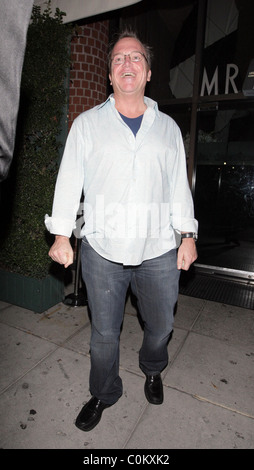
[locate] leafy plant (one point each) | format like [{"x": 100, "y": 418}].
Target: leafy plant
[{"x": 25, "y": 243}]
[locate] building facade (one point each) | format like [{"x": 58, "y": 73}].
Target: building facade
[{"x": 202, "y": 76}]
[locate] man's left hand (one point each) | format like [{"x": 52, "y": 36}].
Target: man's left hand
[{"x": 187, "y": 254}]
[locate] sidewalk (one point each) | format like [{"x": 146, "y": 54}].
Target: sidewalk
[{"x": 208, "y": 384}]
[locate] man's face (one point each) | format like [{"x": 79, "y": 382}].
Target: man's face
[{"x": 129, "y": 77}]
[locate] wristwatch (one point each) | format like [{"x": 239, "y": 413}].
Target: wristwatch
[{"x": 189, "y": 235}]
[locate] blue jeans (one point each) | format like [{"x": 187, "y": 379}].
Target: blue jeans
[{"x": 155, "y": 284}]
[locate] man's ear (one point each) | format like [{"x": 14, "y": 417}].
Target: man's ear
[
  {"x": 110, "y": 79},
  {"x": 149, "y": 76}
]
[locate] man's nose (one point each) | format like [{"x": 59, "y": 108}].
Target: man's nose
[{"x": 127, "y": 56}]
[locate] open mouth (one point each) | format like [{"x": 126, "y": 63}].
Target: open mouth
[{"x": 128, "y": 74}]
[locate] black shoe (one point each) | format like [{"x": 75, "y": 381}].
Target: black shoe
[
  {"x": 90, "y": 414},
  {"x": 154, "y": 389}
]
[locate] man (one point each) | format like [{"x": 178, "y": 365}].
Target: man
[{"x": 129, "y": 160}]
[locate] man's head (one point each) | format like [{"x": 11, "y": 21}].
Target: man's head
[
  {"x": 130, "y": 34},
  {"x": 129, "y": 63}
]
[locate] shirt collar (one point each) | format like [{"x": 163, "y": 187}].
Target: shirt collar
[{"x": 148, "y": 101}]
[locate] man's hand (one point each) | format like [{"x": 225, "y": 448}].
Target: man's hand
[
  {"x": 61, "y": 251},
  {"x": 187, "y": 253}
]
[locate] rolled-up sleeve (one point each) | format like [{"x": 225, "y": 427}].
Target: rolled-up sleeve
[
  {"x": 182, "y": 202},
  {"x": 69, "y": 185}
]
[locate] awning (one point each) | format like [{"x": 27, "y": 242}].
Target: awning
[{"x": 78, "y": 9}]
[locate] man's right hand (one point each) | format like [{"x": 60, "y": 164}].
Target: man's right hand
[{"x": 61, "y": 251}]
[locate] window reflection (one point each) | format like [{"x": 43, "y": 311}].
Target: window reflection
[{"x": 224, "y": 193}]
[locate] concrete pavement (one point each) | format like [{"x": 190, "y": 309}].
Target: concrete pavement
[{"x": 208, "y": 384}]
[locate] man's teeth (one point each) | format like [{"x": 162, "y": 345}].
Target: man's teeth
[{"x": 128, "y": 74}]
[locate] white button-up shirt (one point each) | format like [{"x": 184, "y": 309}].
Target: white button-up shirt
[{"x": 136, "y": 192}]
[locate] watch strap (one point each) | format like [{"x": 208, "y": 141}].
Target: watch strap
[{"x": 189, "y": 235}]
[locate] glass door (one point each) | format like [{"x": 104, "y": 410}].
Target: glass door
[{"x": 224, "y": 188}]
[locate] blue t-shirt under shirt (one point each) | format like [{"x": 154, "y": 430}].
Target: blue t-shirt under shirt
[{"x": 133, "y": 123}]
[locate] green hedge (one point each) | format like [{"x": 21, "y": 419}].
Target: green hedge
[{"x": 26, "y": 243}]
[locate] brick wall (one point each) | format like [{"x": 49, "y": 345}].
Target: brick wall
[{"x": 88, "y": 76}]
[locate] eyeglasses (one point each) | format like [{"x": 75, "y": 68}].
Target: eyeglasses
[{"x": 134, "y": 56}]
